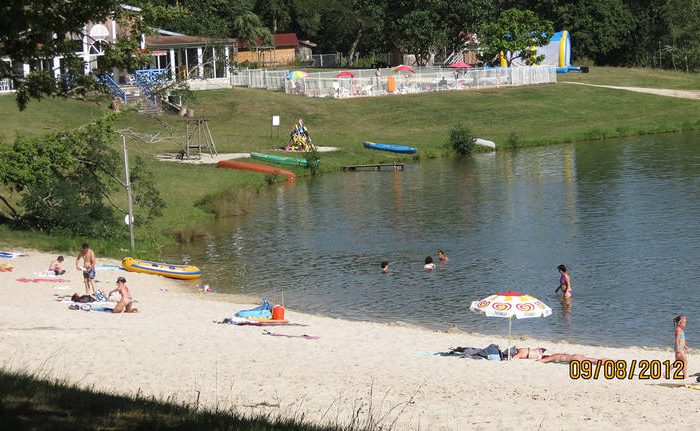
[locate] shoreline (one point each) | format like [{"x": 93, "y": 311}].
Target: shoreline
[{"x": 364, "y": 371}]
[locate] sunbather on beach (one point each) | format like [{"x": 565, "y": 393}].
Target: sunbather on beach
[
  {"x": 529, "y": 353},
  {"x": 126, "y": 303},
  {"x": 566, "y": 358}
]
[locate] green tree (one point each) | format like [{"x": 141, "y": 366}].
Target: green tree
[
  {"x": 514, "y": 34},
  {"x": 65, "y": 181},
  {"x": 597, "y": 28},
  {"x": 350, "y": 26},
  {"x": 416, "y": 27},
  {"x": 32, "y": 31},
  {"x": 277, "y": 13},
  {"x": 307, "y": 17},
  {"x": 463, "y": 17},
  {"x": 248, "y": 27},
  {"x": 682, "y": 40}
]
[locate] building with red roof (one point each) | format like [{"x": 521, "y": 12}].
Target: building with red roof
[{"x": 287, "y": 49}]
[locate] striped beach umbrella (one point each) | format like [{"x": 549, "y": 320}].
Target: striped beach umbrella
[{"x": 511, "y": 304}]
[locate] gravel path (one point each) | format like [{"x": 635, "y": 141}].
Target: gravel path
[{"x": 685, "y": 94}]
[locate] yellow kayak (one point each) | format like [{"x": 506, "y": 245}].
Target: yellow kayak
[{"x": 182, "y": 272}]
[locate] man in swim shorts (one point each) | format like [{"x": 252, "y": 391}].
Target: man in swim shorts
[{"x": 86, "y": 263}]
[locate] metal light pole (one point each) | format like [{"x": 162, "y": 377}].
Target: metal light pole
[{"x": 127, "y": 185}]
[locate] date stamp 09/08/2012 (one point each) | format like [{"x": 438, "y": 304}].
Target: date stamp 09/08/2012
[{"x": 621, "y": 369}]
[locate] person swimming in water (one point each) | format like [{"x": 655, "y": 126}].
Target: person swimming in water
[
  {"x": 385, "y": 266},
  {"x": 679, "y": 346},
  {"x": 564, "y": 282},
  {"x": 429, "y": 265},
  {"x": 442, "y": 256}
]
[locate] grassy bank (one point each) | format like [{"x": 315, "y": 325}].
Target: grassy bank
[
  {"x": 32, "y": 403},
  {"x": 240, "y": 122}
]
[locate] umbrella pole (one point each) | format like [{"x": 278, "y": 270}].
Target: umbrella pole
[{"x": 510, "y": 324}]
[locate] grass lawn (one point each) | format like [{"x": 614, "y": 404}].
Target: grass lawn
[
  {"x": 240, "y": 121},
  {"x": 32, "y": 403}
]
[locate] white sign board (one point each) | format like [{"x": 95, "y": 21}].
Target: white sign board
[
  {"x": 275, "y": 120},
  {"x": 126, "y": 219}
]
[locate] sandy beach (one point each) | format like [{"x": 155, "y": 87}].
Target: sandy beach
[{"x": 383, "y": 373}]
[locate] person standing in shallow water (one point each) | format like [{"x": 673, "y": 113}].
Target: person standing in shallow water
[
  {"x": 564, "y": 282},
  {"x": 679, "y": 346}
]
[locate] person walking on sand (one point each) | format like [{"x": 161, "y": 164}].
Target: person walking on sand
[
  {"x": 126, "y": 302},
  {"x": 86, "y": 263},
  {"x": 564, "y": 282},
  {"x": 679, "y": 346}
]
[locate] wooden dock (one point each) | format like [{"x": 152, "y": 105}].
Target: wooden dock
[{"x": 376, "y": 167}]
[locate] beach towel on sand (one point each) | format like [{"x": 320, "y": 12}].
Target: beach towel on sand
[
  {"x": 264, "y": 311},
  {"x": 6, "y": 267},
  {"x": 245, "y": 322},
  {"x": 89, "y": 307},
  {"x": 10, "y": 254},
  {"x": 108, "y": 267},
  {"x": 38, "y": 280},
  {"x": 490, "y": 352}
]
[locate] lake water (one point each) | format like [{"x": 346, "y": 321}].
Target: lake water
[{"x": 622, "y": 215}]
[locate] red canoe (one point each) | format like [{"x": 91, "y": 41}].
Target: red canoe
[{"x": 228, "y": 164}]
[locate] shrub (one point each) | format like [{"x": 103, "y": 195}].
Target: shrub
[
  {"x": 462, "y": 141},
  {"x": 312, "y": 161}
]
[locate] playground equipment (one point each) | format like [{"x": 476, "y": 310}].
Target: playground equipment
[
  {"x": 556, "y": 53},
  {"x": 299, "y": 139},
  {"x": 197, "y": 138}
]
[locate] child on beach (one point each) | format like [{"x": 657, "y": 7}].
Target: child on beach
[
  {"x": 55, "y": 266},
  {"x": 564, "y": 282},
  {"x": 679, "y": 346},
  {"x": 429, "y": 265}
]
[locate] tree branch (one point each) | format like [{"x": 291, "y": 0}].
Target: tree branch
[{"x": 14, "y": 211}]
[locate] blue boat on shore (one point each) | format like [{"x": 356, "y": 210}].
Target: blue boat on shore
[{"x": 394, "y": 148}]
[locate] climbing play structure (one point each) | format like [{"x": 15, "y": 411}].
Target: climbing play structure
[
  {"x": 299, "y": 139},
  {"x": 198, "y": 139}
]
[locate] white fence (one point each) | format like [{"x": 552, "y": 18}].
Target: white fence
[{"x": 369, "y": 82}]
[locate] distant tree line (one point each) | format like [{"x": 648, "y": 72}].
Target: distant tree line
[{"x": 640, "y": 33}]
